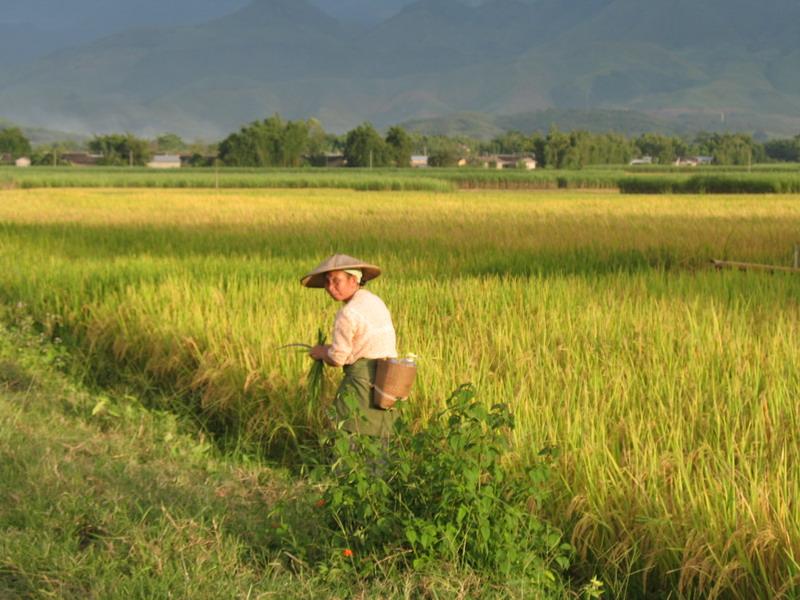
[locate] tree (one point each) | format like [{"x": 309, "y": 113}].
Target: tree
[
  {"x": 444, "y": 151},
  {"x": 14, "y": 142},
  {"x": 319, "y": 142},
  {"x": 268, "y": 143},
  {"x": 399, "y": 146},
  {"x": 48, "y": 158},
  {"x": 293, "y": 144},
  {"x": 662, "y": 148},
  {"x": 557, "y": 147},
  {"x": 256, "y": 145},
  {"x": 364, "y": 147},
  {"x": 539, "y": 146},
  {"x": 730, "y": 148},
  {"x": 444, "y": 156},
  {"x": 511, "y": 142},
  {"x": 787, "y": 150},
  {"x": 120, "y": 149},
  {"x": 170, "y": 142}
]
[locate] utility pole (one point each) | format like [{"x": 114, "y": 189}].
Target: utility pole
[
  {"x": 370, "y": 158},
  {"x": 130, "y": 157}
]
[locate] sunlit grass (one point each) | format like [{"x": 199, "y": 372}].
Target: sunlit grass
[{"x": 669, "y": 388}]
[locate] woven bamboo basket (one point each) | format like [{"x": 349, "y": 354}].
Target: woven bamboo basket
[{"x": 394, "y": 379}]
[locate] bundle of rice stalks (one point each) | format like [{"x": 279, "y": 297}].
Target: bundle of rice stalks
[{"x": 316, "y": 375}]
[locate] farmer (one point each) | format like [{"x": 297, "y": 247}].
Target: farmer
[{"x": 362, "y": 333}]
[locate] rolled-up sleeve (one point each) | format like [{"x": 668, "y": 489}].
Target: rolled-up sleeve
[{"x": 344, "y": 330}]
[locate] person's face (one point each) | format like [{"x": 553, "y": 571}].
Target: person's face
[{"x": 340, "y": 285}]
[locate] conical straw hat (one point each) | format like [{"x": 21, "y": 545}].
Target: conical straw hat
[{"x": 338, "y": 262}]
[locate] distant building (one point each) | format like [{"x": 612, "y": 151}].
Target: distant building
[
  {"x": 642, "y": 160},
  {"x": 487, "y": 162},
  {"x": 165, "y": 161},
  {"x": 507, "y": 161},
  {"x": 6, "y": 159},
  {"x": 23, "y": 161},
  {"x": 80, "y": 159},
  {"x": 526, "y": 162},
  {"x": 693, "y": 161},
  {"x": 419, "y": 161}
]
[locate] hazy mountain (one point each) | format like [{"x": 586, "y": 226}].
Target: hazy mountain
[
  {"x": 627, "y": 122},
  {"x": 85, "y": 20},
  {"x": 727, "y": 62},
  {"x": 364, "y": 12},
  {"x": 34, "y": 28},
  {"x": 107, "y": 16}
]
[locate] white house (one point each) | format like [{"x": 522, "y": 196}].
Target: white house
[
  {"x": 165, "y": 161},
  {"x": 23, "y": 161},
  {"x": 508, "y": 161},
  {"x": 419, "y": 160},
  {"x": 527, "y": 162},
  {"x": 693, "y": 161}
]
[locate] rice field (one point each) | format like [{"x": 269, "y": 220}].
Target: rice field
[{"x": 670, "y": 389}]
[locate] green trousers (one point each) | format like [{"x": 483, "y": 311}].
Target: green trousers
[{"x": 353, "y": 401}]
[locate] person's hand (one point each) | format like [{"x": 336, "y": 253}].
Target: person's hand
[{"x": 319, "y": 352}]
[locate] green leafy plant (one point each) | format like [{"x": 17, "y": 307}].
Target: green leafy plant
[{"x": 443, "y": 494}]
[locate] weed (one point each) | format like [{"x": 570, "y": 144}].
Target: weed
[{"x": 444, "y": 494}]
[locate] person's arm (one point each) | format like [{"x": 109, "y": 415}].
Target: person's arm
[
  {"x": 341, "y": 347},
  {"x": 322, "y": 352}
]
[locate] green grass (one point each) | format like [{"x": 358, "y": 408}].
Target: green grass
[
  {"x": 652, "y": 179},
  {"x": 308, "y": 178},
  {"x": 118, "y": 177},
  {"x": 669, "y": 388},
  {"x": 712, "y": 183},
  {"x": 104, "y": 499}
]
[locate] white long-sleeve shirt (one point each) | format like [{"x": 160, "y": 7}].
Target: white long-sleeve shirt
[{"x": 362, "y": 329}]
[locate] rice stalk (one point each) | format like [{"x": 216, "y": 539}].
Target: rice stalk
[{"x": 316, "y": 375}]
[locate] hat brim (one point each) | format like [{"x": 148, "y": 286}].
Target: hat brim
[{"x": 317, "y": 277}]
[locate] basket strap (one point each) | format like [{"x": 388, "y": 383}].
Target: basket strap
[{"x": 382, "y": 393}]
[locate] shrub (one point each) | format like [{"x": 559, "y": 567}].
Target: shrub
[
  {"x": 443, "y": 494},
  {"x": 649, "y": 185},
  {"x": 727, "y": 183}
]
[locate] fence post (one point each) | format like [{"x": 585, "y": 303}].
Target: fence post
[{"x": 797, "y": 256}]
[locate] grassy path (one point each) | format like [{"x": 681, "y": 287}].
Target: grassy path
[{"x": 102, "y": 498}]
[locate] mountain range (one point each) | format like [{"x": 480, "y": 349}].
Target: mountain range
[{"x": 733, "y": 63}]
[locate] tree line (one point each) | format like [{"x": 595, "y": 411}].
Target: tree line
[{"x": 275, "y": 142}]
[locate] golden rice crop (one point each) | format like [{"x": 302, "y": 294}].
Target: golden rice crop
[{"x": 669, "y": 388}]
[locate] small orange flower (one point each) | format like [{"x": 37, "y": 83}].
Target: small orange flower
[
  {"x": 320, "y": 503},
  {"x": 347, "y": 552}
]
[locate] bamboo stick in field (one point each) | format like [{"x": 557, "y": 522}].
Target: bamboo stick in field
[{"x": 746, "y": 266}]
